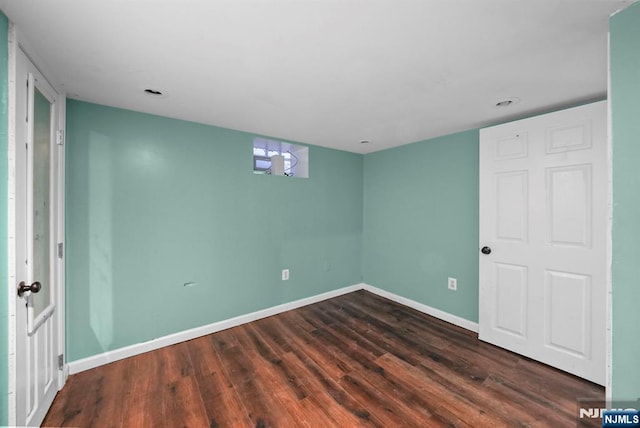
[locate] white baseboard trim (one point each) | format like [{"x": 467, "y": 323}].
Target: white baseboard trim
[
  {"x": 445, "y": 316},
  {"x": 140, "y": 348}
]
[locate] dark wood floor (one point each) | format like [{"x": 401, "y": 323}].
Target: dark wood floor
[{"x": 355, "y": 360}]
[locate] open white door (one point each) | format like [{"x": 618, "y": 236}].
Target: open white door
[
  {"x": 37, "y": 265},
  {"x": 543, "y": 230}
]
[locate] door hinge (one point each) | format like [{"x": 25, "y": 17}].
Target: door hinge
[
  {"x": 60, "y": 361},
  {"x": 60, "y": 250},
  {"x": 26, "y": 118},
  {"x": 60, "y": 137}
]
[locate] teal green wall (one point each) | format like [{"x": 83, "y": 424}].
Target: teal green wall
[
  {"x": 4, "y": 305},
  {"x": 154, "y": 203},
  {"x": 625, "y": 103},
  {"x": 421, "y": 222}
]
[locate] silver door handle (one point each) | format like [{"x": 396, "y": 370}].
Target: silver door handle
[{"x": 23, "y": 288}]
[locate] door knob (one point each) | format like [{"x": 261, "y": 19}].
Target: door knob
[
  {"x": 486, "y": 250},
  {"x": 23, "y": 288}
]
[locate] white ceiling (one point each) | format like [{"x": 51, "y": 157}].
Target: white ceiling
[{"x": 324, "y": 72}]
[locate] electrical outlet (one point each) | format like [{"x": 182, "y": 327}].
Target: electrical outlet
[
  {"x": 285, "y": 274},
  {"x": 452, "y": 284}
]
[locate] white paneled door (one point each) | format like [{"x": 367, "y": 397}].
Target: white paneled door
[
  {"x": 36, "y": 290},
  {"x": 543, "y": 238}
]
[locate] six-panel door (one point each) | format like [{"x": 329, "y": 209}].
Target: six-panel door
[{"x": 543, "y": 207}]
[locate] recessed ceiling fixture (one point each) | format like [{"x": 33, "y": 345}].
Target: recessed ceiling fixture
[
  {"x": 507, "y": 102},
  {"x": 152, "y": 92}
]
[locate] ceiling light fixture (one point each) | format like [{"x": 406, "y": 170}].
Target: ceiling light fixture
[
  {"x": 152, "y": 92},
  {"x": 507, "y": 102}
]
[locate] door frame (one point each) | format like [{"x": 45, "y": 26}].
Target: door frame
[
  {"x": 608, "y": 387},
  {"x": 15, "y": 42}
]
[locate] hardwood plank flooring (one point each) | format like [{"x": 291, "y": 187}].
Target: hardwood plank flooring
[{"x": 355, "y": 360}]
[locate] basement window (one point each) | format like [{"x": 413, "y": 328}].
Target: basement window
[{"x": 272, "y": 157}]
